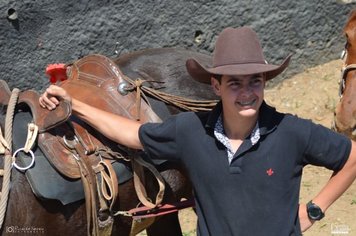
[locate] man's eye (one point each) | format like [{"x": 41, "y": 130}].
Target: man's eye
[
  {"x": 256, "y": 81},
  {"x": 234, "y": 84}
]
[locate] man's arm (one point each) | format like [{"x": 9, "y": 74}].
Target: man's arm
[
  {"x": 119, "y": 129},
  {"x": 339, "y": 182}
]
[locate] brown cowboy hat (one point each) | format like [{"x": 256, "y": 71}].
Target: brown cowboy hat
[{"x": 237, "y": 52}]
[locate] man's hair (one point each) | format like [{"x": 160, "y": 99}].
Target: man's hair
[{"x": 217, "y": 77}]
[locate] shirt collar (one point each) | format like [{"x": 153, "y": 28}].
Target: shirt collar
[
  {"x": 267, "y": 120},
  {"x": 214, "y": 115}
]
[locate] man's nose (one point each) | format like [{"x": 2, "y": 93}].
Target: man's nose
[{"x": 246, "y": 89}]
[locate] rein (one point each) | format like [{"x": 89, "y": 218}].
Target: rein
[{"x": 147, "y": 212}]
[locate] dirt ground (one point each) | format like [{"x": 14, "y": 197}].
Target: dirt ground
[{"x": 312, "y": 94}]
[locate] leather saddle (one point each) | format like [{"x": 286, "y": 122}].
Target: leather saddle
[
  {"x": 95, "y": 80},
  {"x": 44, "y": 178}
]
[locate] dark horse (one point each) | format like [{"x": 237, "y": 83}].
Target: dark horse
[
  {"x": 345, "y": 112},
  {"x": 26, "y": 212}
]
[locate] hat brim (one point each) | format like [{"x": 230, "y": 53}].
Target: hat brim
[{"x": 202, "y": 73}]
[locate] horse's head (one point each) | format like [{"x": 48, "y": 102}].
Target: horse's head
[
  {"x": 345, "y": 112},
  {"x": 350, "y": 34}
]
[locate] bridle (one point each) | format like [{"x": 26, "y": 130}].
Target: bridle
[{"x": 345, "y": 69}]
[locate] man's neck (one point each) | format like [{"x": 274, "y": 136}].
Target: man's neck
[{"x": 238, "y": 128}]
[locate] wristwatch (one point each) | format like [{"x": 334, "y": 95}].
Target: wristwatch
[{"x": 314, "y": 211}]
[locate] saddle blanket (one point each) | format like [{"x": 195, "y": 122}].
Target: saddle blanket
[{"x": 46, "y": 182}]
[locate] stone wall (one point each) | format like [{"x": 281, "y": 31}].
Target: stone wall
[{"x": 51, "y": 31}]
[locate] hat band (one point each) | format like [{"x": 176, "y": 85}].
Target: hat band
[{"x": 240, "y": 63}]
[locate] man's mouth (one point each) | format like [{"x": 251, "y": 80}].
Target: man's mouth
[{"x": 246, "y": 103}]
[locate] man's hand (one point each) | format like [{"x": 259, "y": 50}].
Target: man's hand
[
  {"x": 51, "y": 97},
  {"x": 305, "y": 222}
]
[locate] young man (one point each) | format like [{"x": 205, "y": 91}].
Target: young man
[{"x": 244, "y": 158}]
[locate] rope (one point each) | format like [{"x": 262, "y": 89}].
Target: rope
[
  {"x": 181, "y": 102},
  {"x": 8, "y": 157},
  {"x": 107, "y": 153}
]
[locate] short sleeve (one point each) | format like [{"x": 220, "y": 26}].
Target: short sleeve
[
  {"x": 159, "y": 139},
  {"x": 327, "y": 148}
]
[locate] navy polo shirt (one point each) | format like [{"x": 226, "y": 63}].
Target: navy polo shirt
[{"x": 258, "y": 193}]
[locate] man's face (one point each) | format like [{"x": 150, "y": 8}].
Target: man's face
[{"x": 241, "y": 95}]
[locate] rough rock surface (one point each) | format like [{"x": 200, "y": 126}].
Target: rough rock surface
[{"x": 48, "y": 31}]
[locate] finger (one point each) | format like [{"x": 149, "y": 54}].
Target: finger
[
  {"x": 46, "y": 102},
  {"x": 54, "y": 100},
  {"x": 45, "y": 98},
  {"x": 40, "y": 100}
]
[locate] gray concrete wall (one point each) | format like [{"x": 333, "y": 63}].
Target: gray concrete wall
[{"x": 52, "y": 31}]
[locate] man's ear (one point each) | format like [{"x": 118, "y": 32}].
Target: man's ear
[
  {"x": 264, "y": 80},
  {"x": 216, "y": 86}
]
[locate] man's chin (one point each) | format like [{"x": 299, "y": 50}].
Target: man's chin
[{"x": 248, "y": 112}]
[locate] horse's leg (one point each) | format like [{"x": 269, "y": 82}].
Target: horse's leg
[
  {"x": 48, "y": 217},
  {"x": 26, "y": 210},
  {"x": 177, "y": 187},
  {"x": 165, "y": 225},
  {"x": 126, "y": 200}
]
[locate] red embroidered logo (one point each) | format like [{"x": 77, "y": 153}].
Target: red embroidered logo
[{"x": 270, "y": 172}]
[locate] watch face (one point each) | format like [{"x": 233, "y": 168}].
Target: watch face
[{"x": 314, "y": 212}]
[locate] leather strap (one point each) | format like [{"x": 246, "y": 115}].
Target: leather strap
[
  {"x": 89, "y": 182},
  {"x": 93, "y": 193},
  {"x": 108, "y": 181},
  {"x": 3, "y": 144},
  {"x": 84, "y": 138},
  {"x": 137, "y": 164},
  {"x": 32, "y": 131},
  {"x": 147, "y": 212}
]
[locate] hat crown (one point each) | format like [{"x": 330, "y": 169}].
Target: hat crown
[
  {"x": 237, "y": 46},
  {"x": 237, "y": 52}
]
